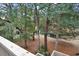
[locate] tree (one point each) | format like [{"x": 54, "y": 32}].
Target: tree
[
  {"x": 46, "y": 28},
  {"x": 36, "y": 16},
  {"x": 27, "y": 25}
]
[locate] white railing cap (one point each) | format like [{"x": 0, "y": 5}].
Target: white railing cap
[
  {"x": 57, "y": 53},
  {"x": 13, "y": 48}
]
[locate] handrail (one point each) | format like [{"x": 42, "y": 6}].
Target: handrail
[{"x": 12, "y": 49}]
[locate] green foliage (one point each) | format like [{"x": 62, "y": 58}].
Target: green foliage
[
  {"x": 61, "y": 16},
  {"x": 42, "y": 51},
  {"x": 17, "y": 19}
]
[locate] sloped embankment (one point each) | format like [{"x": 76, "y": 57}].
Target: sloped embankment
[{"x": 64, "y": 46}]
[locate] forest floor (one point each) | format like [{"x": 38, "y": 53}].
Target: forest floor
[{"x": 63, "y": 45}]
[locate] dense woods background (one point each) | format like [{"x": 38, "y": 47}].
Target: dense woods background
[{"x": 20, "y": 21}]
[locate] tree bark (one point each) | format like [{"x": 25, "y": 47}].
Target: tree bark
[
  {"x": 26, "y": 44},
  {"x": 25, "y": 26},
  {"x": 45, "y": 36},
  {"x": 33, "y": 36},
  {"x": 37, "y": 24},
  {"x": 56, "y": 42}
]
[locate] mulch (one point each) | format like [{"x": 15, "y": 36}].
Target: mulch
[{"x": 63, "y": 47}]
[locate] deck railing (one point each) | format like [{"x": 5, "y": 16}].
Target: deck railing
[{"x": 8, "y": 48}]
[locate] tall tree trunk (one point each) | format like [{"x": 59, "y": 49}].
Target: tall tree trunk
[
  {"x": 56, "y": 42},
  {"x": 33, "y": 36},
  {"x": 25, "y": 26},
  {"x": 45, "y": 36},
  {"x": 26, "y": 44},
  {"x": 37, "y": 24},
  {"x": 9, "y": 6},
  {"x": 46, "y": 27}
]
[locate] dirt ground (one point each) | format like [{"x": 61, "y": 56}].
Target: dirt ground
[{"x": 63, "y": 46}]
